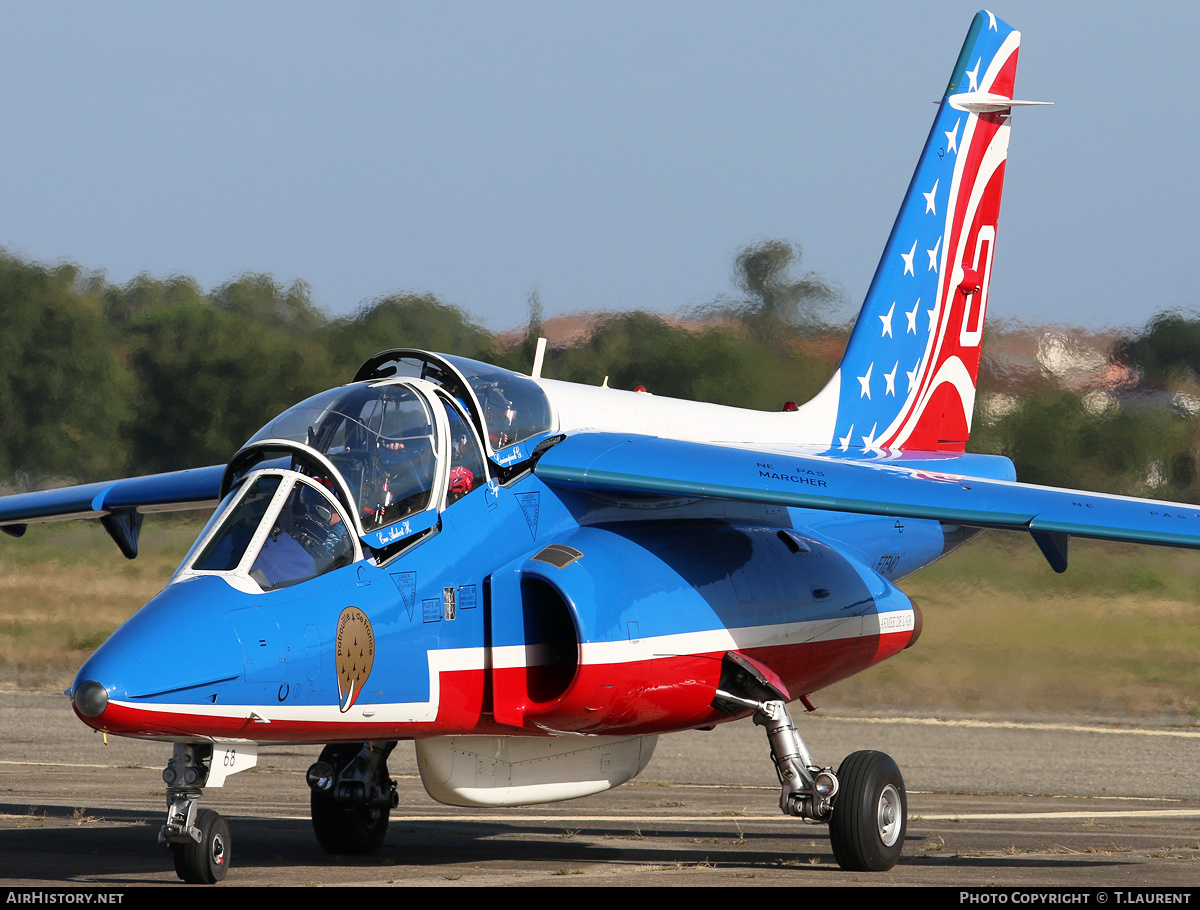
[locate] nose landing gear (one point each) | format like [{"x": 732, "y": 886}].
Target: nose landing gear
[{"x": 199, "y": 840}]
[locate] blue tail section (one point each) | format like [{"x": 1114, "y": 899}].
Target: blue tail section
[{"x": 907, "y": 380}]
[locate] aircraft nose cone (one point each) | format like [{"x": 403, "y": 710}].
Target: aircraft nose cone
[
  {"x": 113, "y": 671},
  {"x": 90, "y": 698},
  {"x": 147, "y": 659}
]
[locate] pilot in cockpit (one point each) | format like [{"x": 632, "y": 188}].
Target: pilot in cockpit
[
  {"x": 385, "y": 456},
  {"x": 308, "y": 538}
]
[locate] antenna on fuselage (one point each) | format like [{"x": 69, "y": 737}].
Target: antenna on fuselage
[{"x": 539, "y": 356}]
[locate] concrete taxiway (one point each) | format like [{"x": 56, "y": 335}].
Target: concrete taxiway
[{"x": 992, "y": 802}]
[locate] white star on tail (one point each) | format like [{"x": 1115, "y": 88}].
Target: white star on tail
[
  {"x": 911, "y": 316},
  {"x": 912, "y": 376},
  {"x": 908, "y": 258},
  {"x": 973, "y": 75},
  {"x": 929, "y": 198},
  {"x": 952, "y": 137},
  {"x": 845, "y": 440},
  {"x": 933, "y": 256},
  {"x": 866, "y": 383},
  {"x": 887, "y": 321},
  {"x": 891, "y": 380},
  {"x": 869, "y": 439}
]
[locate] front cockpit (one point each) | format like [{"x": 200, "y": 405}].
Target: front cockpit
[
  {"x": 366, "y": 469},
  {"x": 278, "y": 529}
]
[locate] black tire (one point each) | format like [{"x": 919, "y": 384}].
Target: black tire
[
  {"x": 356, "y": 831},
  {"x": 870, "y": 813},
  {"x": 207, "y": 862}
]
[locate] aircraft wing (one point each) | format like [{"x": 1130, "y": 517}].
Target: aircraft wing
[
  {"x": 117, "y": 503},
  {"x": 614, "y": 463}
]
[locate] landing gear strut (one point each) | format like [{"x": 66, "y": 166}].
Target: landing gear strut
[
  {"x": 199, "y": 841},
  {"x": 865, "y": 803},
  {"x": 352, "y": 797}
]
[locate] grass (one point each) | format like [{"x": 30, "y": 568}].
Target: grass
[
  {"x": 1116, "y": 634},
  {"x": 65, "y": 587}
]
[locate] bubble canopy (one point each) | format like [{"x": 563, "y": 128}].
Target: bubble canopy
[
  {"x": 381, "y": 438},
  {"x": 506, "y": 407}
]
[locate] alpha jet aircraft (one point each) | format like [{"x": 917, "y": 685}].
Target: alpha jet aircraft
[{"x": 533, "y": 580}]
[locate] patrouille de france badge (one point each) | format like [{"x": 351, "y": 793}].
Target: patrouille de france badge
[{"x": 355, "y": 655}]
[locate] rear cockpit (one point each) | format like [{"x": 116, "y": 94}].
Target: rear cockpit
[{"x": 511, "y": 412}]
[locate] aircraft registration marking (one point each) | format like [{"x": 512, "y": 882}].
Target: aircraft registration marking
[{"x": 888, "y": 562}]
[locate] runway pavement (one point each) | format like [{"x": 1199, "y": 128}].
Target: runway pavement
[{"x": 1004, "y": 802}]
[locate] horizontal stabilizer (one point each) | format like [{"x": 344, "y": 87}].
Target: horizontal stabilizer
[{"x": 987, "y": 102}]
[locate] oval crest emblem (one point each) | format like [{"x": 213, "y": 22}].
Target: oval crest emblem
[{"x": 355, "y": 655}]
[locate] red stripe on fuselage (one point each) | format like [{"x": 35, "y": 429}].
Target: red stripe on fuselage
[{"x": 670, "y": 693}]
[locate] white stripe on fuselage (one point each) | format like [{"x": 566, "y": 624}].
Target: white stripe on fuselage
[
  {"x": 719, "y": 640},
  {"x": 514, "y": 656}
]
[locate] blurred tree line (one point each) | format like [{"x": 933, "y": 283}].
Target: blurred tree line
[
  {"x": 1128, "y": 425},
  {"x": 101, "y": 380}
]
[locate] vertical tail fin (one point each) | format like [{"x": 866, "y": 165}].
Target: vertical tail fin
[{"x": 907, "y": 379}]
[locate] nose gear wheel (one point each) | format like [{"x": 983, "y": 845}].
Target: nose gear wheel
[{"x": 206, "y": 862}]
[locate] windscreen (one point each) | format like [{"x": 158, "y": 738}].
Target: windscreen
[
  {"x": 307, "y": 539},
  {"x": 225, "y": 551},
  {"x": 304, "y": 535}
]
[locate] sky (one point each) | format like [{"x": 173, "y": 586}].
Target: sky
[{"x": 612, "y": 156}]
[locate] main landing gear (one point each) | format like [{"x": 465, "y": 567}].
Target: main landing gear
[
  {"x": 352, "y": 797},
  {"x": 865, "y": 803}
]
